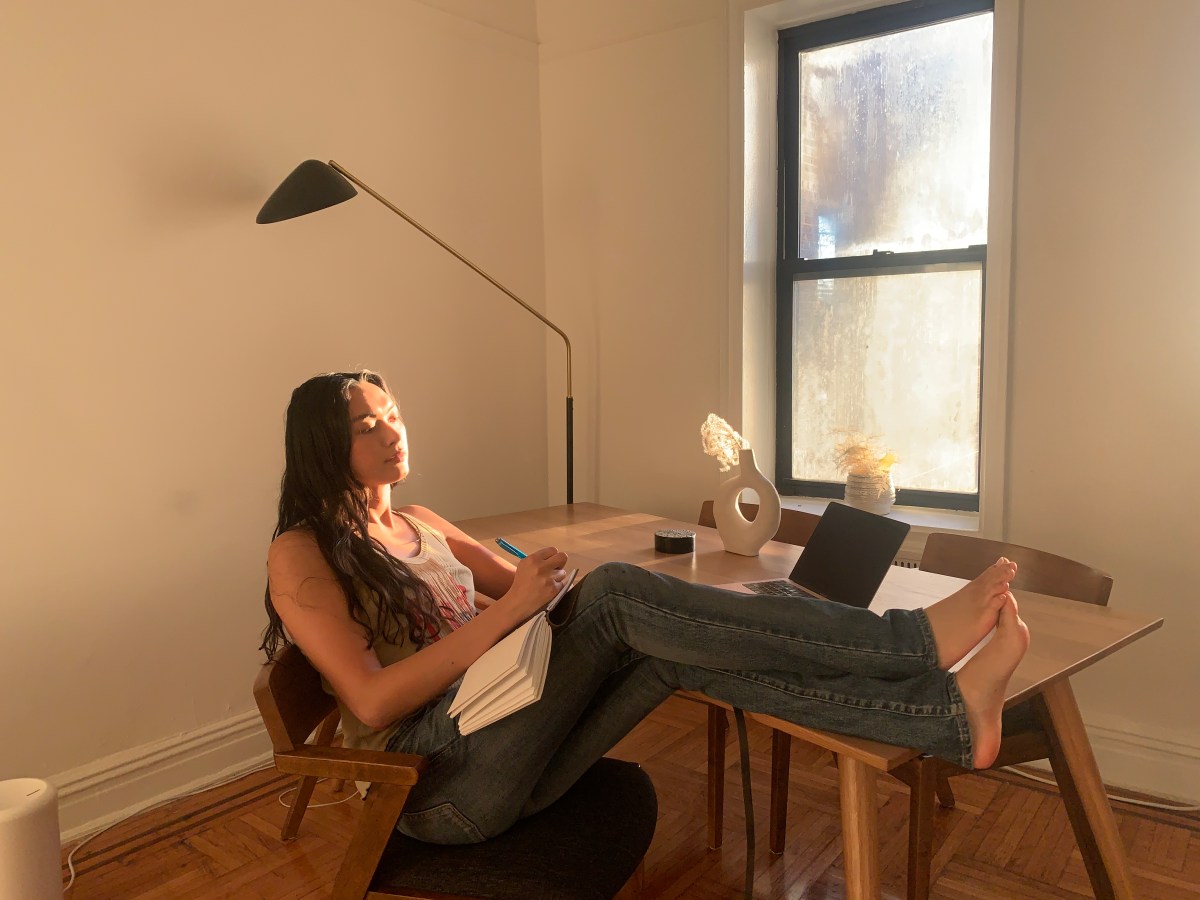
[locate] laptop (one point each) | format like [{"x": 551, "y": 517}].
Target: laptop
[{"x": 845, "y": 560}]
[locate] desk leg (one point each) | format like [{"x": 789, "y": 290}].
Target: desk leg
[
  {"x": 1083, "y": 793},
  {"x": 718, "y": 725},
  {"x": 860, "y": 829}
]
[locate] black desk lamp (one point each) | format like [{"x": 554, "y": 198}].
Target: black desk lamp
[{"x": 314, "y": 185}]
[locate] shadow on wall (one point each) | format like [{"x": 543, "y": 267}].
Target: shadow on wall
[{"x": 188, "y": 175}]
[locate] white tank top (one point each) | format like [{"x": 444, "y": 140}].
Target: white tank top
[{"x": 453, "y": 589}]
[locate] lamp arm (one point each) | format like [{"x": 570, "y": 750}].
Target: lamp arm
[{"x": 437, "y": 240}]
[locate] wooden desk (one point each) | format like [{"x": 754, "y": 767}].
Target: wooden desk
[{"x": 1067, "y": 637}]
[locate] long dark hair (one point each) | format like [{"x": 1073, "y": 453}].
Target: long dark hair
[{"x": 320, "y": 493}]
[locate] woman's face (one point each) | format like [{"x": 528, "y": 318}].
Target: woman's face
[{"x": 378, "y": 441}]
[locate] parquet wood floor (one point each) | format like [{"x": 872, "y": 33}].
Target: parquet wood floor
[{"x": 1007, "y": 836}]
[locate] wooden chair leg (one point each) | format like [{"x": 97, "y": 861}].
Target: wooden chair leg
[
  {"x": 291, "y": 823},
  {"x": 336, "y": 784},
  {"x": 718, "y": 727},
  {"x": 945, "y": 795},
  {"x": 306, "y": 783},
  {"x": 781, "y": 758},
  {"x": 860, "y": 829},
  {"x": 925, "y": 777},
  {"x": 378, "y": 821}
]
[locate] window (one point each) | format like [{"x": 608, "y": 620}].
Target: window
[{"x": 884, "y": 129}]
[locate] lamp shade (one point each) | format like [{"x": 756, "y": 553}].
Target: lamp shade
[{"x": 312, "y": 185}]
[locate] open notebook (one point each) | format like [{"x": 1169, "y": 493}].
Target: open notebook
[{"x": 510, "y": 675}]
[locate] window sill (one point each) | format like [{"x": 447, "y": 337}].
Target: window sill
[{"x": 922, "y": 519}]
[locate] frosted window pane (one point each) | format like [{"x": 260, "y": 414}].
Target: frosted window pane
[
  {"x": 894, "y": 135},
  {"x": 895, "y": 356}
]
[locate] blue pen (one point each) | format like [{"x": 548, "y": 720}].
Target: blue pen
[{"x": 510, "y": 548}]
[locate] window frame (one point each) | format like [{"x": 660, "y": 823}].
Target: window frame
[{"x": 790, "y": 266}]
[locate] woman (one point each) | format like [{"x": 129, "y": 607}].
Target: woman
[{"x": 392, "y": 605}]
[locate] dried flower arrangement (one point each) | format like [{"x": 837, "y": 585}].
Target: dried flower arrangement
[
  {"x": 720, "y": 440},
  {"x": 858, "y": 454}
]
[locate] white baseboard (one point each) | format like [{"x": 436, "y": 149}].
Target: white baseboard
[
  {"x": 1164, "y": 769},
  {"x": 107, "y": 790}
]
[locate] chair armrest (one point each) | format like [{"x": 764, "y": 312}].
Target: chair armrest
[{"x": 376, "y": 766}]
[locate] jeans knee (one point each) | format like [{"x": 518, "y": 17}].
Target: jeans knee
[
  {"x": 616, "y": 576},
  {"x": 597, "y": 589},
  {"x": 616, "y": 570}
]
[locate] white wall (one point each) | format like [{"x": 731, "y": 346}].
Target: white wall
[
  {"x": 152, "y": 332},
  {"x": 1104, "y": 426}
]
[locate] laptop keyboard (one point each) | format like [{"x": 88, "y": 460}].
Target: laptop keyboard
[{"x": 779, "y": 587}]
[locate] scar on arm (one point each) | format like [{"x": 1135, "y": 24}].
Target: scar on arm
[{"x": 296, "y": 595}]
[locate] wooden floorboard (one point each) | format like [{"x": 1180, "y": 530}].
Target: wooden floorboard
[{"x": 1006, "y": 837}]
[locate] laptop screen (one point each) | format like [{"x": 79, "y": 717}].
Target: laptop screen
[{"x": 848, "y": 554}]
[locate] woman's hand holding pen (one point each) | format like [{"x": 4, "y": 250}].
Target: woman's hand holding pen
[{"x": 538, "y": 578}]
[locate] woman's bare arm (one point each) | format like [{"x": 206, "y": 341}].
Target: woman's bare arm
[{"x": 313, "y": 607}]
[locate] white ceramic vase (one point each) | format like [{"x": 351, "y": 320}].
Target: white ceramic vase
[
  {"x": 874, "y": 493},
  {"x": 739, "y": 534}
]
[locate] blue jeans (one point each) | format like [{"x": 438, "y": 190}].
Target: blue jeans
[{"x": 626, "y": 638}]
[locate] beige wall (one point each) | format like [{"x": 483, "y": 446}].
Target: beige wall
[
  {"x": 152, "y": 332},
  {"x": 634, "y": 142},
  {"x": 1104, "y": 422}
]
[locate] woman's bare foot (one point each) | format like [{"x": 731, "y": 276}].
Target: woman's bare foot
[
  {"x": 984, "y": 680},
  {"x": 961, "y": 620}
]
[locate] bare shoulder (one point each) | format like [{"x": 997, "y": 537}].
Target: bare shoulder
[
  {"x": 454, "y": 535},
  {"x": 308, "y": 596},
  {"x": 295, "y": 564},
  {"x": 294, "y": 547},
  {"x": 428, "y": 516}
]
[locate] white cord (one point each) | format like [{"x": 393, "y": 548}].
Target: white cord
[
  {"x": 161, "y": 803},
  {"x": 349, "y": 796},
  {"x": 1169, "y": 807}
]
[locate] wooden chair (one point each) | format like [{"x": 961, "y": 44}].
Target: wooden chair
[
  {"x": 1024, "y": 738},
  {"x": 795, "y": 527},
  {"x": 588, "y": 845},
  {"x": 964, "y": 556}
]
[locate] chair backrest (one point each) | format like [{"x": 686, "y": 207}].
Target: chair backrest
[
  {"x": 795, "y": 526},
  {"x": 965, "y": 556},
  {"x": 290, "y": 698}
]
